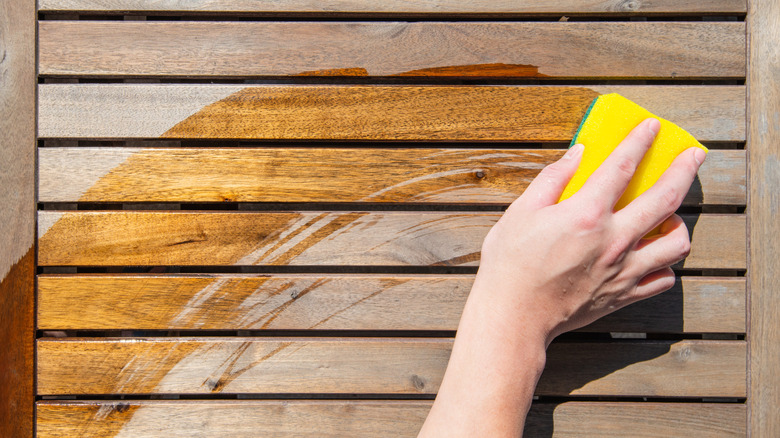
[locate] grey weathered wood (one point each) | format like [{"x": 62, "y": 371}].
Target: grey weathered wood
[
  {"x": 413, "y": 49},
  {"x": 687, "y": 368},
  {"x": 764, "y": 227},
  {"x": 366, "y": 419}
]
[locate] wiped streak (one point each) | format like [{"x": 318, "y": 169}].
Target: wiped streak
[
  {"x": 358, "y": 302},
  {"x": 271, "y": 240},
  {"x": 332, "y": 223},
  {"x": 491, "y": 70},
  {"x": 447, "y": 173},
  {"x": 195, "y": 303},
  {"x": 281, "y": 308}
]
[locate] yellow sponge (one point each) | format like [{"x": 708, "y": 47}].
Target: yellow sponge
[{"x": 607, "y": 122}]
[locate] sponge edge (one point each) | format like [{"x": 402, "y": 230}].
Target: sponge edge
[{"x": 607, "y": 122}]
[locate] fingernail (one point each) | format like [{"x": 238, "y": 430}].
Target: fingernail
[
  {"x": 574, "y": 151},
  {"x": 654, "y": 126},
  {"x": 699, "y": 155}
]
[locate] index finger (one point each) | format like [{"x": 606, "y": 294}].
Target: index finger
[{"x": 608, "y": 182}]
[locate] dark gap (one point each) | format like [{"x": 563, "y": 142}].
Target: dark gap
[{"x": 387, "y": 80}]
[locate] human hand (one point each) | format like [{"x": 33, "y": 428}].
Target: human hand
[{"x": 566, "y": 265}]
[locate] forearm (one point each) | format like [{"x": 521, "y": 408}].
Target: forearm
[{"x": 492, "y": 372}]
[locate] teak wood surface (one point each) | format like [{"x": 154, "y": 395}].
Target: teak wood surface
[{"x": 312, "y": 183}]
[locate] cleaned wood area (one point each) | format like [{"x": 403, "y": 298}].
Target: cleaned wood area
[
  {"x": 314, "y": 238},
  {"x": 17, "y": 217},
  {"x": 373, "y": 366},
  {"x": 336, "y": 418},
  {"x": 422, "y": 113},
  {"x": 480, "y": 176},
  {"x": 340, "y": 302},
  {"x": 413, "y": 49},
  {"x": 601, "y": 7},
  {"x": 764, "y": 227}
]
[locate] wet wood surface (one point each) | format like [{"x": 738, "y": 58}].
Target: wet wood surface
[
  {"x": 422, "y": 113},
  {"x": 480, "y": 176},
  {"x": 763, "y": 207},
  {"x": 17, "y": 217},
  {"x": 423, "y": 49},
  {"x": 601, "y": 7},
  {"x": 688, "y": 368},
  {"x": 339, "y": 418},
  {"x": 340, "y": 302},
  {"x": 314, "y": 238}
]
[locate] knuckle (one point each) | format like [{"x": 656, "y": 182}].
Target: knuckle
[
  {"x": 685, "y": 247},
  {"x": 590, "y": 217},
  {"x": 626, "y": 167},
  {"x": 670, "y": 200}
]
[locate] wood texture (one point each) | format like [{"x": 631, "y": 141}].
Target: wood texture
[
  {"x": 496, "y": 113},
  {"x": 378, "y": 366},
  {"x": 17, "y": 216},
  {"x": 304, "y": 418},
  {"x": 600, "y": 7},
  {"x": 493, "y": 176},
  {"x": 313, "y": 238},
  {"x": 508, "y": 49},
  {"x": 340, "y": 302},
  {"x": 763, "y": 208}
]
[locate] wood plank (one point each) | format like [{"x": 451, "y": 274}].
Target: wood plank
[
  {"x": 313, "y": 238},
  {"x": 340, "y": 302},
  {"x": 413, "y": 49},
  {"x": 482, "y": 176},
  {"x": 457, "y": 113},
  {"x": 375, "y": 366},
  {"x": 763, "y": 208},
  {"x": 338, "y": 418},
  {"x": 17, "y": 216},
  {"x": 605, "y": 7}
]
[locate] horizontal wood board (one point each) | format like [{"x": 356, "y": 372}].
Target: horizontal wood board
[
  {"x": 313, "y": 238},
  {"x": 423, "y": 113},
  {"x": 601, "y": 7},
  {"x": 340, "y": 302},
  {"x": 372, "y": 366},
  {"x": 480, "y": 176},
  {"x": 410, "y": 49},
  {"x": 366, "y": 419}
]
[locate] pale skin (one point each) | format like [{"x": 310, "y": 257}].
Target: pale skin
[{"x": 549, "y": 268}]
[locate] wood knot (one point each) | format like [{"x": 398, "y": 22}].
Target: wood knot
[
  {"x": 122, "y": 407},
  {"x": 418, "y": 382},
  {"x": 215, "y": 386},
  {"x": 480, "y": 174}
]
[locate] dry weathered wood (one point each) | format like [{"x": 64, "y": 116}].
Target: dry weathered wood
[
  {"x": 764, "y": 227},
  {"x": 360, "y": 365},
  {"x": 337, "y": 418},
  {"x": 340, "y": 302},
  {"x": 401, "y": 6},
  {"x": 509, "y": 49},
  {"x": 518, "y": 113},
  {"x": 313, "y": 238},
  {"x": 17, "y": 216},
  {"x": 495, "y": 176}
]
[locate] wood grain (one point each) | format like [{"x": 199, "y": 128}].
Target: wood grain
[
  {"x": 336, "y": 418},
  {"x": 17, "y": 216},
  {"x": 313, "y": 238},
  {"x": 465, "y": 49},
  {"x": 491, "y": 176},
  {"x": 402, "y": 7},
  {"x": 763, "y": 208},
  {"x": 340, "y": 302},
  {"x": 462, "y": 113},
  {"x": 379, "y": 366}
]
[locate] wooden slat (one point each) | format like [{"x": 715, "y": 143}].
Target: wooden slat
[
  {"x": 17, "y": 216},
  {"x": 378, "y": 366},
  {"x": 494, "y": 176},
  {"x": 334, "y": 418},
  {"x": 313, "y": 238},
  {"x": 764, "y": 226},
  {"x": 340, "y": 302},
  {"x": 610, "y": 7},
  {"x": 509, "y": 49},
  {"x": 517, "y": 113}
]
